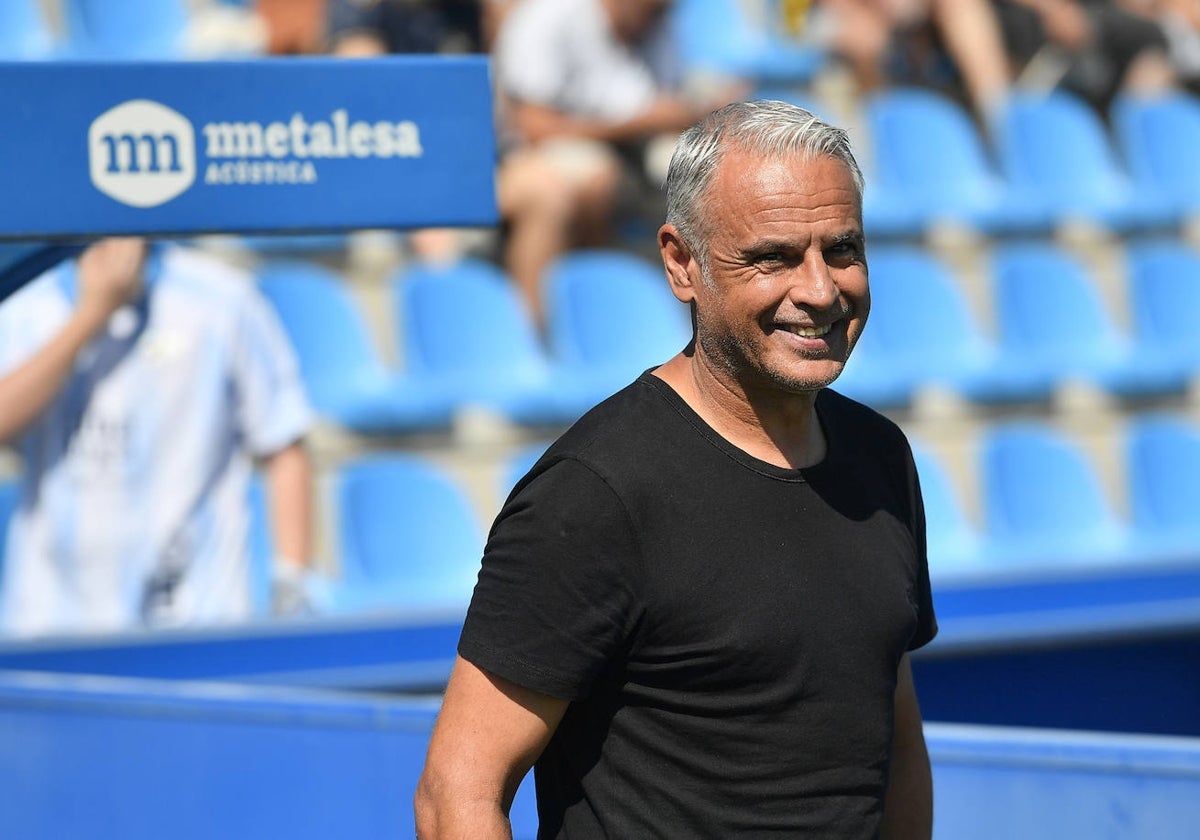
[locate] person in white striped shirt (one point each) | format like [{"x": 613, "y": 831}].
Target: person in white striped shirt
[{"x": 140, "y": 386}]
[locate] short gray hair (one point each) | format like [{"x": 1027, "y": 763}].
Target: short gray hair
[{"x": 768, "y": 127}]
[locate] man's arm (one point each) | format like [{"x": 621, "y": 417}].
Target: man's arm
[
  {"x": 908, "y": 805},
  {"x": 666, "y": 114},
  {"x": 110, "y": 275},
  {"x": 289, "y": 487},
  {"x": 488, "y": 734}
]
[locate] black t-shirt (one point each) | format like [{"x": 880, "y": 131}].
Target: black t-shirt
[{"x": 728, "y": 631}]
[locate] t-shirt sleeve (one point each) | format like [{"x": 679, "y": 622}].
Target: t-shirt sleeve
[
  {"x": 528, "y": 63},
  {"x": 273, "y": 407},
  {"x": 555, "y": 600}
]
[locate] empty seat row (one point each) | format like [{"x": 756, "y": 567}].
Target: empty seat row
[
  {"x": 465, "y": 340},
  {"x": 1046, "y": 160},
  {"x": 1043, "y": 503},
  {"x": 1052, "y": 325}
]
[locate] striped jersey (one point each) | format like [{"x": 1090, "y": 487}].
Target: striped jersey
[{"x": 133, "y": 503}]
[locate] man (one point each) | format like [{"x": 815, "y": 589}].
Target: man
[
  {"x": 139, "y": 388},
  {"x": 694, "y": 612}
]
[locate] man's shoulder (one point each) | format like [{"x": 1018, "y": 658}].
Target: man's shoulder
[
  {"x": 205, "y": 280},
  {"x": 624, "y": 428}
]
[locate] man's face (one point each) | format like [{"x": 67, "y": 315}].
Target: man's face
[{"x": 786, "y": 296}]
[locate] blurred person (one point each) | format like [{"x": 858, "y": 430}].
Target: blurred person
[
  {"x": 1092, "y": 48},
  {"x": 694, "y": 613},
  {"x": 380, "y": 27},
  {"x": 590, "y": 92},
  {"x": 953, "y": 45},
  {"x": 139, "y": 386}
]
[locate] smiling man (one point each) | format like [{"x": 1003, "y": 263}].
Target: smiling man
[{"x": 695, "y": 612}]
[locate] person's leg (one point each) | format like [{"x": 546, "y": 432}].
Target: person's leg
[{"x": 535, "y": 203}]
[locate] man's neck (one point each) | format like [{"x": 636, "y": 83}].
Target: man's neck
[{"x": 773, "y": 426}]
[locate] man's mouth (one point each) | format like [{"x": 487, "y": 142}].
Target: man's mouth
[{"x": 804, "y": 332}]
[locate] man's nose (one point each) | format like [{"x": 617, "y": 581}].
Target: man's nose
[{"x": 812, "y": 284}]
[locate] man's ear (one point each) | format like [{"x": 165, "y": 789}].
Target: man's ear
[{"x": 683, "y": 272}]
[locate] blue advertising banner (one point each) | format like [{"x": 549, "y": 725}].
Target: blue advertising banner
[{"x": 275, "y": 145}]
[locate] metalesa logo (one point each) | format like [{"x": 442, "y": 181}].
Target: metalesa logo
[{"x": 142, "y": 153}]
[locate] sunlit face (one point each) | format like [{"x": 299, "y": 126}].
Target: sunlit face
[{"x": 786, "y": 295}]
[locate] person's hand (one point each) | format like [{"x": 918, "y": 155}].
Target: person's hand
[
  {"x": 296, "y": 591},
  {"x": 110, "y": 276}
]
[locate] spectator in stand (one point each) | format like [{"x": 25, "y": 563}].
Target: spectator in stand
[
  {"x": 140, "y": 386},
  {"x": 952, "y": 45},
  {"x": 590, "y": 91},
  {"x": 1092, "y": 48}
]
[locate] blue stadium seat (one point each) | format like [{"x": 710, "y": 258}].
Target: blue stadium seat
[
  {"x": 1159, "y": 137},
  {"x": 953, "y": 542},
  {"x": 610, "y": 315},
  {"x": 129, "y": 29},
  {"x": 722, "y": 36},
  {"x": 1057, "y": 147},
  {"x": 928, "y": 151},
  {"x": 923, "y": 333},
  {"x": 407, "y": 534},
  {"x": 10, "y": 493},
  {"x": 1164, "y": 299},
  {"x": 1054, "y": 323},
  {"x": 464, "y": 327},
  {"x": 346, "y": 379},
  {"x": 24, "y": 32},
  {"x": 1163, "y": 471},
  {"x": 1043, "y": 500}
]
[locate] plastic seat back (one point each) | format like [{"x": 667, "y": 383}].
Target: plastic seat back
[
  {"x": 464, "y": 318},
  {"x": 408, "y": 528},
  {"x": 128, "y": 29},
  {"x": 1058, "y": 144},
  {"x": 324, "y": 323},
  {"x": 613, "y": 310},
  {"x": 1163, "y": 468},
  {"x": 952, "y": 540},
  {"x": 24, "y": 32},
  {"x": 1164, "y": 297},
  {"x": 1048, "y": 305},
  {"x": 1159, "y": 137},
  {"x": 1043, "y": 498},
  {"x": 928, "y": 147}
]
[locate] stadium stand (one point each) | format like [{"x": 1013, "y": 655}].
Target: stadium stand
[
  {"x": 348, "y": 382},
  {"x": 1044, "y": 509}
]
